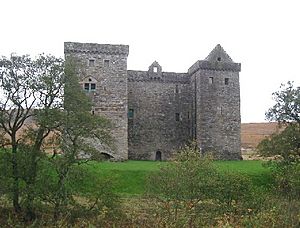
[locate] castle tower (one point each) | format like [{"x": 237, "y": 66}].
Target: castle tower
[
  {"x": 216, "y": 105},
  {"x": 102, "y": 70}
]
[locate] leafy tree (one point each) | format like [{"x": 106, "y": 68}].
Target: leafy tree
[
  {"x": 40, "y": 97},
  {"x": 287, "y": 107},
  {"x": 77, "y": 129},
  {"x": 17, "y": 101},
  {"x": 286, "y": 142},
  {"x": 286, "y": 112}
]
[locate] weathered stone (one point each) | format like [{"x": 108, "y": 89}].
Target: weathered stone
[{"x": 165, "y": 110}]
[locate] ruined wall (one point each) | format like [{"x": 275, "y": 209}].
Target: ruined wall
[
  {"x": 102, "y": 70},
  {"x": 217, "y": 102},
  {"x": 159, "y": 113}
]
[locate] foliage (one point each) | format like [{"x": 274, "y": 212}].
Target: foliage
[
  {"x": 249, "y": 208},
  {"x": 286, "y": 178},
  {"x": 286, "y": 112},
  {"x": 286, "y": 143},
  {"x": 287, "y": 107},
  {"x": 45, "y": 91},
  {"x": 191, "y": 191}
]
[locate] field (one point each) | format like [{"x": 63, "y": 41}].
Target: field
[
  {"x": 130, "y": 177},
  {"x": 253, "y": 133}
]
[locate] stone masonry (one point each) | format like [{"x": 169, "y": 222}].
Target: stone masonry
[{"x": 154, "y": 113}]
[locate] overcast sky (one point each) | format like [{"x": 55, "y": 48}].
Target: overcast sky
[{"x": 263, "y": 35}]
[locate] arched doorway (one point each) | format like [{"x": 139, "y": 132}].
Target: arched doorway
[
  {"x": 105, "y": 156},
  {"x": 158, "y": 156}
]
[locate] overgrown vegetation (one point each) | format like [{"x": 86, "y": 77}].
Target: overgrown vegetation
[
  {"x": 66, "y": 189},
  {"x": 46, "y": 92}
]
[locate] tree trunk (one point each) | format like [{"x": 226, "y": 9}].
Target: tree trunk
[
  {"x": 31, "y": 181},
  {"x": 15, "y": 187}
]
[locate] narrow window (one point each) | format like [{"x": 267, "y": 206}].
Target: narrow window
[
  {"x": 220, "y": 110},
  {"x": 155, "y": 69},
  {"x": 226, "y": 81},
  {"x": 86, "y": 87},
  {"x": 211, "y": 80},
  {"x": 176, "y": 89},
  {"x": 188, "y": 115},
  {"x": 106, "y": 62},
  {"x": 177, "y": 116},
  {"x": 130, "y": 113},
  {"x": 91, "y": 62},
  {"x": 93, "y": 86}
]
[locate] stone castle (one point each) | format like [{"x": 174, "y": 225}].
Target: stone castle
[{"x": 154, "y": 112}]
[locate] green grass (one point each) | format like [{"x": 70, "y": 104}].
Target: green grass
[
  {"x": 255, "y": 170},
  {"x": 130, "y": 177}
]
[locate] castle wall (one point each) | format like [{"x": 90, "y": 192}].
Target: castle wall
[
  {"x": 102, "y": 68},
  {"x": 161, "y": 114},
  {"x": 154, "y": 113}
]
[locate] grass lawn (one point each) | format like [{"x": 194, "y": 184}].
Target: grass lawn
[{"x": 130, "y": 177}]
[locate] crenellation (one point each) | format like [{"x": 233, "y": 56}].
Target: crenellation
[{"x": 93, "y": 48}]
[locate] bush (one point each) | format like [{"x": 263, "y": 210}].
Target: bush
[
  {"x": 286, "y": 178},
  {"x": 191, "y": 192},
  {"x": 6, "y": 172}
]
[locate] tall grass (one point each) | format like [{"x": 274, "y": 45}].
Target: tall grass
[{"x": 130, "y": 176}]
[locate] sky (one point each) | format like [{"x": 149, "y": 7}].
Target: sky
[{"x": 262, "y": 35}]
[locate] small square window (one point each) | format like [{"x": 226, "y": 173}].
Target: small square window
[
  {"x": 93, "y": 86},
  {"x": 86, "y": 86},
  {"x": 155, "y": 69},
  {"x": 226, "y": 81},
  {"x": 106, "y": 62},
  {"x": 211, "y": 80},
  {"x": 130, "y": 113},
  {"x": 92, "y": 62}
]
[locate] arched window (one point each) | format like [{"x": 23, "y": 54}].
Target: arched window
[{"x": 89, "y": 85}]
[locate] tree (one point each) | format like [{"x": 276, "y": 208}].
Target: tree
[
  {"x": 40, "y": 97},
  {"x": 287, "y": 107},
  {"x": 16, "y": 103},
  {"x": 286, "y": 112},
  {"x": 47, "y": 85},
  {"x": 77, "y": 128},
  {"x": 286, "y": 142}
]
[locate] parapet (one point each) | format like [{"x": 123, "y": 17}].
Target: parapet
[
  {"x": 219, "y": 66},
  {"x": 93, "y": 48}
]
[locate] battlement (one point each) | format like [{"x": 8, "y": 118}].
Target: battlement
[
  {"x": 166, "y": 77},
  {"x": 93, "y": 48},
  {"x": 218, "y": 66}
]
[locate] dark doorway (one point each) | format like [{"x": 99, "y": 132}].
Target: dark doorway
[
  {"x": 104, "y": 157},
  {"x": 158, "y": 156}
]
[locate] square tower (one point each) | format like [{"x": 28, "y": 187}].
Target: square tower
[
  {"x": 102, "y": 72},
  {"x": 216, "y": 105}
]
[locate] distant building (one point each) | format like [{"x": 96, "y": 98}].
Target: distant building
[{"x": 154, "y": 112}]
